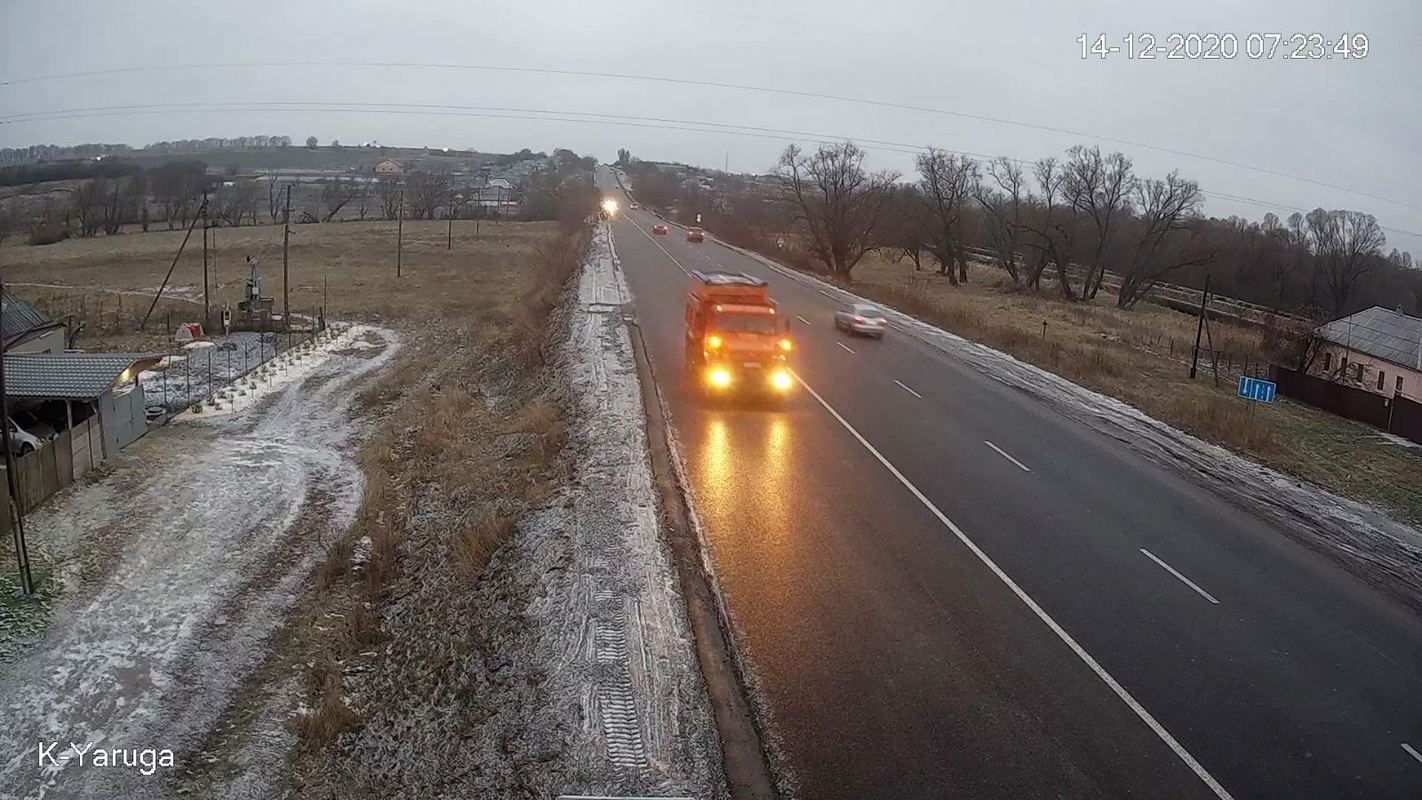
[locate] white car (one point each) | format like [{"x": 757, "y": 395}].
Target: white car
[
  {"x": 863, "y": 319},
  {"x": 22, "y": 441}
]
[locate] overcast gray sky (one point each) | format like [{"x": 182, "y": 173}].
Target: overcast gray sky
[{"x": 1351, "y": 123}]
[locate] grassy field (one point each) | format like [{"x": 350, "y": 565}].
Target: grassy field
[
  {"x": 1142, "y": 357},
  {"x": 465, "y": 429}
]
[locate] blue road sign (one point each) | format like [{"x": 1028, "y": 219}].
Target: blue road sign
[{"x": 1257, "y": 389}]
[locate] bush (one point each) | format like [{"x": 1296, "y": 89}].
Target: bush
[{"x": 48, "y": 233}]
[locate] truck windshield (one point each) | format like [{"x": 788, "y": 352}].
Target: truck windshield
[{"x": 745, "y": 323}]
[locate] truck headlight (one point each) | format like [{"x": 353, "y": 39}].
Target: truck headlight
[
  {"x": 719, "y": 377},
  {"x": 782, "y": 380}
]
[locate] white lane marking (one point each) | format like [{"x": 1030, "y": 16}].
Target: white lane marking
[
  {"x": 1148, "y": 554},
  {"x": 842, "y": 347},
  {"x": 1411, "y": 752},
  {"x": 826, "y": 294},
  {"x": 907, "y": 389},
  {"x": 802, "y": 319},
  {"x": 659, "y": 246},
  {"x": 1004, "y": 454},
  {"x": 1115, "y": 686}
]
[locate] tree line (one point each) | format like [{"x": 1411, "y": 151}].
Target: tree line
[
  {"x": 106, "y": 196},
  {"x": 1068, "y": 224}
]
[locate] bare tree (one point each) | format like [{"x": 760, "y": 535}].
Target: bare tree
[
  {"x": 235, "y": 202},
  {"x": 945, "y": 182},
  {"x": 1098, "y": 187},
  {"x": 426, "y": 192},
  {"x": 88, "y": 200},
  {"x": 276, "y": 199},
  {"x": 904, "y": 229},
  {"x": 1347, "y": 246},
  {"x": 387, "y": 195},
  {"x": 1002, "y": 202},
  {"x": 337, "y": 192},
  {"x": 1054, "y": 227},
  {"x": 838, "y": 201},
  {"x": 1167, "y": 208},
  {"x": 363, "y": 199}
]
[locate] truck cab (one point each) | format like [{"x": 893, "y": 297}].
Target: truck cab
[{"x": 736, "y": 340}]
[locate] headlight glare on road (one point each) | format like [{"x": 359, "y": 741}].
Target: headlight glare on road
[
  {"x": 718, "y": 377},
  {"x": 782, "y": 380}
]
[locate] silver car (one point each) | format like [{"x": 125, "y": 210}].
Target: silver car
[
  {"x": 22, "y": 441},
  {"x": 862, "y": 319}
]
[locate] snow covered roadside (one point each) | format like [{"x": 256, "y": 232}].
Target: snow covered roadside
[
  {"x": 178, "y": 568},
  {"x": 1376, "y": 547},
  {"x": 610, "y": 611}
]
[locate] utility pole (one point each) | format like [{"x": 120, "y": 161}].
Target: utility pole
[
  {"x": 16, "y": 511},
  {"x": 285, "y": 278},
  {"x": 206, "y": 223},
  {"x": 1200, "y": 327},
  {"x": 400, "y": 234},
  {"x": 478, "y": 212},
  {"x": 449, "y": 236}
]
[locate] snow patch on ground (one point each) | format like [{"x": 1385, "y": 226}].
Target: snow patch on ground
[
  {"x": 179, "y": 566},
  {"x": 1379, "y": 548}
]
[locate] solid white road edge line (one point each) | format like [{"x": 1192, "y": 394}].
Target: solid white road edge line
[
  {"x": 1148, "y": 554},
  {"x": 658, "y": 244},
  {"x": 1120, "y": 691},
  {"x": 1004, "y": 454},
  {"x": 802, "y": 319},
  {"x": 1411, "y": 752},
  {"x": 843, "y": 347},
  {"x": 827, "y": 294},
  {"x": 907, "y": 389}
]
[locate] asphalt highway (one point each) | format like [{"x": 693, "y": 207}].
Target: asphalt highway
[{"x": 945, "y": 588}]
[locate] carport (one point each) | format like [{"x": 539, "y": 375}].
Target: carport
[{"x": 94, "y": 399}]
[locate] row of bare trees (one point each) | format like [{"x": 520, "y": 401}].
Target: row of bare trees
[{"x": 1086, "y": 218}]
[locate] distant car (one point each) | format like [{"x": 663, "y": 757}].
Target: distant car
[
  {"x": 22, "y": 441},
  {"x": 695, "y": 235},
  {"x": 635, "y": 205},
  {"x": 659, "y": 229},
  {"x": 862, "y": 318}
]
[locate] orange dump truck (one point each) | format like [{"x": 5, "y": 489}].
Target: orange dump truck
[{"x": 736, "y": 340}]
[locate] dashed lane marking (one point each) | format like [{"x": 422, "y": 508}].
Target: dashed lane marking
[
  {"x": 1148, "y": 554},
  {"x": 1005, "y": 455},
  {"x": 1041, "y": 613},
  {"x": 907, "y": 389}
]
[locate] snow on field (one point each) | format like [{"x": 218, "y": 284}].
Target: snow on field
[
  {"x": 178, "y": 566},
  {"x": 1378, "y": 546}
]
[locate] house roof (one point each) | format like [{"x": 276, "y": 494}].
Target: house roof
[
  {"x": 1379, "y": 332},
  {"x": 18, "y": 317},
  {"x": 67, "y": 376}
]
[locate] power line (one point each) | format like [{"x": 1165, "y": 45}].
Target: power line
[{"x": 713, "y": 85}]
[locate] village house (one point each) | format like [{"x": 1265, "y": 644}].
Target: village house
[{"x": 1378, "y": 350}]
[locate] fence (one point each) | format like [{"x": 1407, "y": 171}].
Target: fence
[
  {"x": 41, "y": 474},
  {"x": 1396, "y": 415}
]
